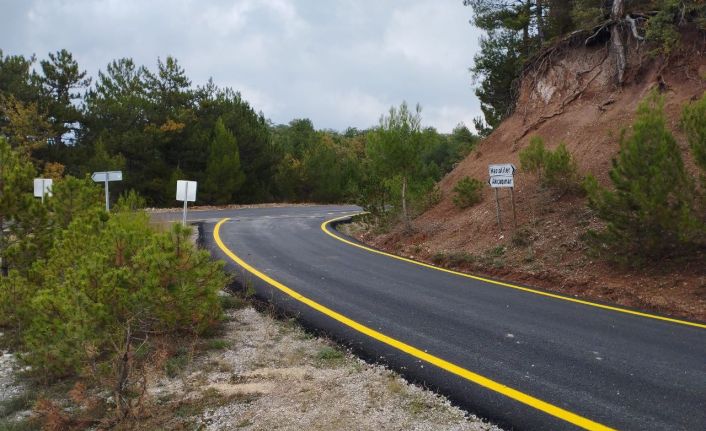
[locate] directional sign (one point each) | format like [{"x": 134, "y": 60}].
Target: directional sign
[
  {"x": 42, "y": 186},
  {"x": 106, "y": 177},
  {"x": 101, "y": 177},
  {"x": 501, "y": 181},
  {"x": 186, "y": 191},
  {"x": 506, "y": 169}
]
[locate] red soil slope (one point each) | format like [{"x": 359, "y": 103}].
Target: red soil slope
[{"x": 571, "y": 98}]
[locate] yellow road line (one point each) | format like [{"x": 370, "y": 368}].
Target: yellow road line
[
  {"x": 513, "y": 286},
  {"x": 485, "y": 382}
]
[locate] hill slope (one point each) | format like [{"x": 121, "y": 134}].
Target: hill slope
[{"x": 569, "y": 97}]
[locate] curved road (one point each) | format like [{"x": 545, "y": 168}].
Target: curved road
[{"x": 521, "y": 358}]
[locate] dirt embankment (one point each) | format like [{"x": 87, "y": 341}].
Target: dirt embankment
[{"x": 570, "y": 98}]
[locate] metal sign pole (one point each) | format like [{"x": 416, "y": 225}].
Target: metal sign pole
[
  {"x": 107, "y": 196},
  {"x": 43, "y": 188},
  {"x": 186, "y": 201},
  {"x": 514, "y": 213},
  {"x": 497, "y": 208}
]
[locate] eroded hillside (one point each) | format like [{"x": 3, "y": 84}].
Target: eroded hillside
[{"x": 568, "y": 95}]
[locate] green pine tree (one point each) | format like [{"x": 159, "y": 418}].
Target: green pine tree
[
  {"x": 224, "y": 175},
  {"x": 649, "y": 213}
]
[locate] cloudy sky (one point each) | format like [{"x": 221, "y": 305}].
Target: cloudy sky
[{"x": 338, "y": 62}]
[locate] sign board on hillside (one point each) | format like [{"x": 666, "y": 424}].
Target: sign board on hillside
[
  {"x": 42, "y": 186},
  {"x": 502, "y": 181},
  {"x": 502, "y": 176},
  {"x": 186, "y": 191},
  {"x": 502, "y": 170}
]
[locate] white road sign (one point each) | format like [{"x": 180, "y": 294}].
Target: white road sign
[
  {"x": 186, "y": 191},
  {"x": 42, "y": 186},
  {"x": 101, "y": 177},
  {"x": 504, "y": 170},
  {"x": 501, "y": 181},
  {"x": 106, "y": 177}
]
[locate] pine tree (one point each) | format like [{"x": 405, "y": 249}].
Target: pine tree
[
  {"x": 395, "y": 148},
  {"x": 224, "y": 175},
  {"x": 649, "y": 213}
]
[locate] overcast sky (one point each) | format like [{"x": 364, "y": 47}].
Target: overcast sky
[{"x": 340, "y": 63}]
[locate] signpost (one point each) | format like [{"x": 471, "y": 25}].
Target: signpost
[
  {"x": 106, "y": 177},
  {"x": 186, "y": 192},
  {"x": 42, "y": 186},
  {"x": 502, "y": 177}
]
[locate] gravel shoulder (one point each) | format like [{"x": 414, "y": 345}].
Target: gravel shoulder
[{"x": 272, "y": 375}]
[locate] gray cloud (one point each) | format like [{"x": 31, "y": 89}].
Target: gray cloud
[{"x": 339, "y": 63}]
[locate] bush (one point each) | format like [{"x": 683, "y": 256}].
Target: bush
[
  {"x": 532, "y": 158},
  {"x": 556, "y": 169},
  {"x": 468, "y": 192},
  {"x": 104, "y": 278},
  {"x": 649, "y": 214},
  {"x": 694, "y": 124},
  {"x": 560, "y": 172}
]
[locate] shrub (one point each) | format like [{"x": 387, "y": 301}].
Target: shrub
[
  {"x": 649, "y": 213},
  {"x": 556, "y": 169},
  {"x": 560, "y": 172},
  {"x": 532, "y": 158},
  {"x": 468, "y": 192},
  {"x": 694, "y": 124},
  {"x": 108, "y": 276}
]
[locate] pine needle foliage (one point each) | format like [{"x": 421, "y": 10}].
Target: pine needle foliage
[
  {"x": 649, "y": 212},
  {"x": 468, "y": 192}
]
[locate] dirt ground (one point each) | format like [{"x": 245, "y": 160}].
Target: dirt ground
[
  {"x": 264, "y": 373},
  {"x": 271, "y": 375}
]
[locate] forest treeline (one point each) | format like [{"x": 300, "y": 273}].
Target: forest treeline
[
  {"x": 158, "y": 127},
  {"x": 516, "y": 31}
]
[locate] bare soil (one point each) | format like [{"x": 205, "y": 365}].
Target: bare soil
[{"x": 569, "y": 98}]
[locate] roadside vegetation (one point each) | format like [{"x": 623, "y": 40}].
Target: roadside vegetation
[
  {"x": 158, "y": 128},
  {"x": 87, "y": 296},
  {"x": 654, "y": 208}
]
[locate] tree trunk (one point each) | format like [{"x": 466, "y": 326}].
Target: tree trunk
[
  {"x": 525, "y": 30},
  {"x": 616, "y": 40},
  {"x": 404, "y": 202},
  {"x": 540, "y": 22}
]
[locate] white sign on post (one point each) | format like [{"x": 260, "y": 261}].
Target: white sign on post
[
  {"x": 106, "y": 177},
  {"x": 42, "y": 186},
  {"x": 502, "y": 181},
  {"x": 185, "y": 192},
  {"x": 503, "y": 170},
  {"x": 502, "y": 177}
]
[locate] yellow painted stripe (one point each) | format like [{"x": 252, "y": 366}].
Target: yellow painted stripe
[
  {"x": 485, "y": 382},
  {"x": 513, "y": 286}
]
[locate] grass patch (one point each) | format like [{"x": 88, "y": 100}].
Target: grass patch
[
  {"x": 217, "y": 344},
  {"x": 330, "y": 356},
  {"x": 21, "y": 425},
  {"x": 10, "y": 406},
  {"x": 418, "y": 406},
  {"x": 232, "y": 302},
  {"x": 176, "y": 364}
]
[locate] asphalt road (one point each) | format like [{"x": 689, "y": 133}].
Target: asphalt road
[{"x": 521, "y": 359}]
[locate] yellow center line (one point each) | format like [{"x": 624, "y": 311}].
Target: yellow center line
[
  {"x": 325, "y": 224},
  {"x": 478, "y": 379}
]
